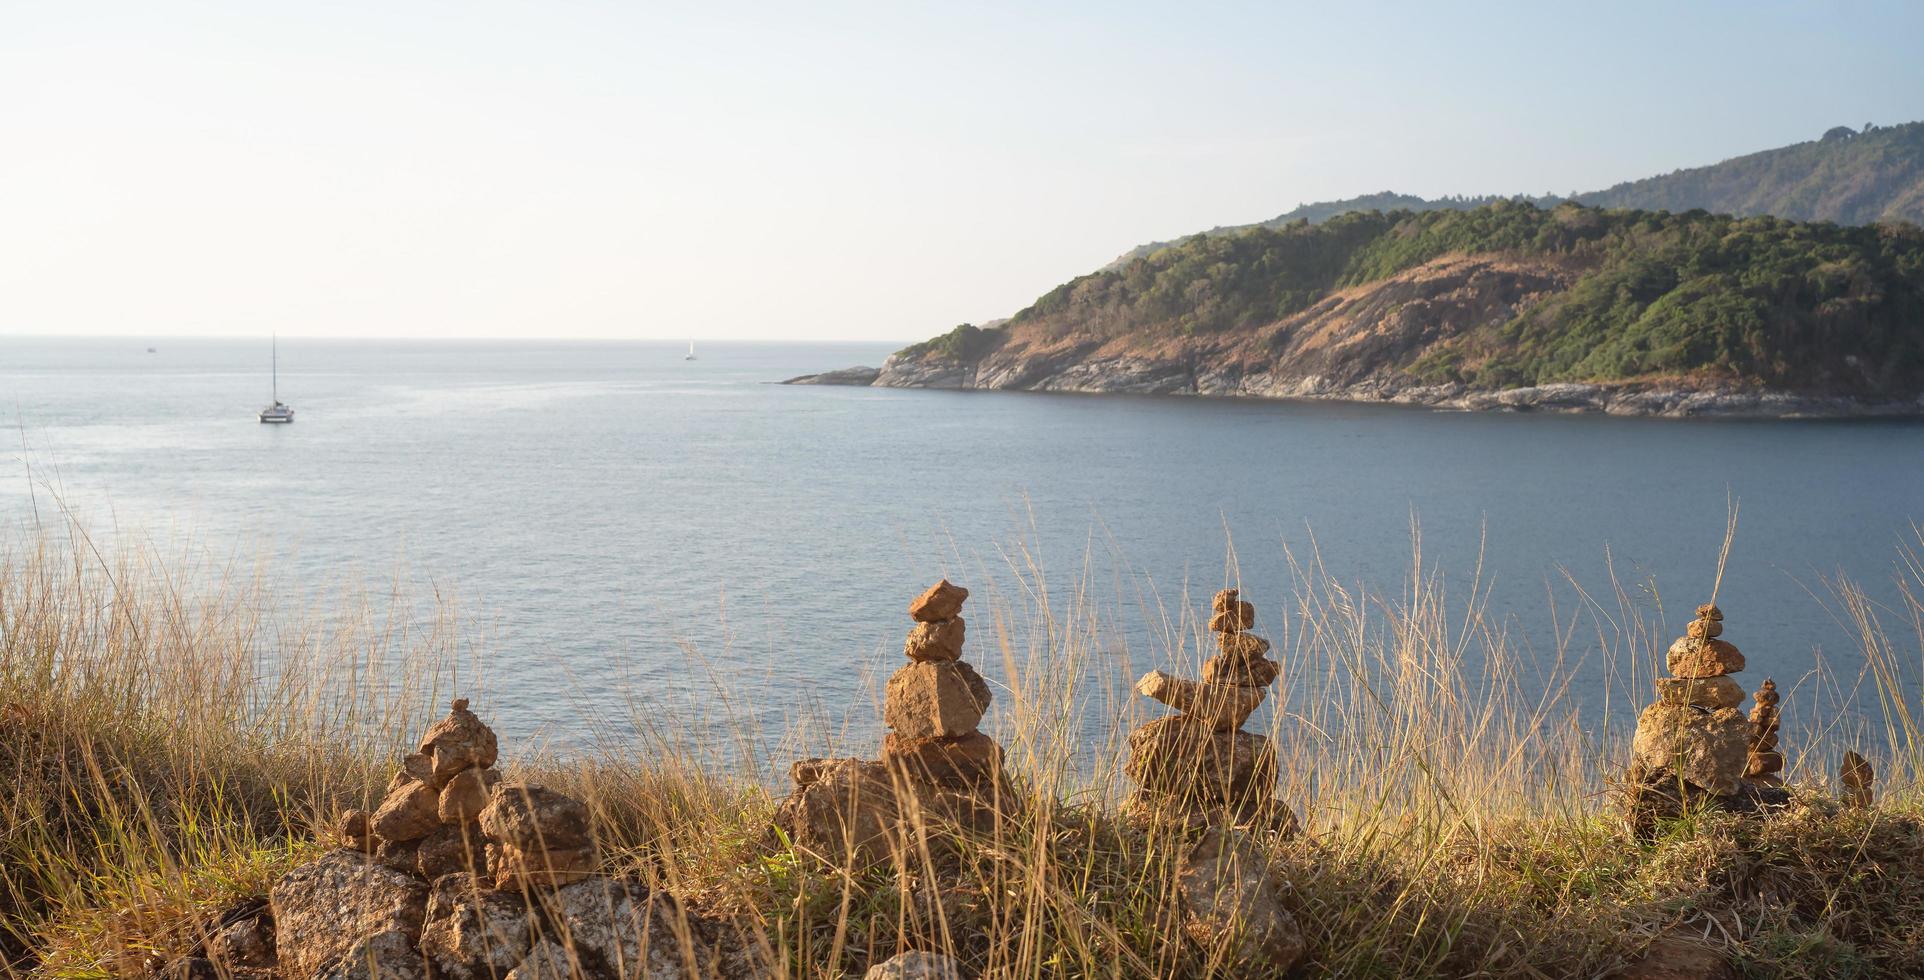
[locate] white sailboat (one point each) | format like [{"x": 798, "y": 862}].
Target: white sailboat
[
  {"x": 277, "y": 412},
  {"x": 691, "y": 351}
]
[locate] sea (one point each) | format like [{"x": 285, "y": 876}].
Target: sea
[{"x": 617, "y": 541}]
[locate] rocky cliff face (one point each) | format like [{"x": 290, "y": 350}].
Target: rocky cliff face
[{"x": 1368, "y": 343}]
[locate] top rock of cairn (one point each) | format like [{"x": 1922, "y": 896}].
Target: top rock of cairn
[{"x": 942, "y": 601}]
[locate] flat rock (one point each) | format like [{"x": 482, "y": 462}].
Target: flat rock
[
  {"x": 1221, "y": 706},
  {"x": 1704, "y": 629},
  {"x": 1244, "y": 671},
  {"x": 1235, "y": 906},
  {"x": 926, "y": 700},
  {"x": 1710, "y": 611},
  {"x": 343, "y": 910},
  {"x": 961, "y": 761},
  {"x": 1692, "y": 657},
  {"x": 939, "y": 640},
  {"x": 1706, "y": 692},
  {"x": 942, "y": 601},
  {"x": 1247, "y": 645},
  {"x": 1708, "y": 749},
  {"x": 916, "y": 965}
]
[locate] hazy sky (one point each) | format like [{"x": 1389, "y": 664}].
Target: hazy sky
[{"x": 813, "y": 169}]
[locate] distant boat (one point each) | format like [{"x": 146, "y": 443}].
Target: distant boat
[
  {"x": 277, "y": 412},
  {"x": 151, "y": 350},
  {"x": 691, "y": 351}
]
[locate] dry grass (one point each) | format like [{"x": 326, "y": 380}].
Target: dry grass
[{"x": 173, "y": 747}]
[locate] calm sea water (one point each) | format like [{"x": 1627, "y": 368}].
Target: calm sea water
[{"x": 619, "y": 526}]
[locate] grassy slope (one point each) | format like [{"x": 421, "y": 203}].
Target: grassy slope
[
  {"x": 1804, "y": 307},
  {"x": 1459, "y": 823}
]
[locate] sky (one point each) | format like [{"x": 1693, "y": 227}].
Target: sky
[{"x": 818, "y": 170}]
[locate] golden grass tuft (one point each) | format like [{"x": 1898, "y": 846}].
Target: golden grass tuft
[{"x": 174, "y": 746}]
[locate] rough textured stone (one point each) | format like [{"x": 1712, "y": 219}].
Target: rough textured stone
[
  {"x": 541, "y": 867},
  {"x": 971, "y": 760},
  {"x": 1706, "y": 748},
  {"x": 458, "y": 741},
  {"x": 473, "y": 932},
  {"x": 1235, "y": 619},
  {"x": 1763, "y": 764},
  {"x": 1706, "y": 692},
  {"x": 843, "y": 811},
  {"x": 1690, "y": 657},
  {"x": 383, "y": 956},
  {"x": 333, "y": 915},
  {"x": 1709, "y": 611},
  {"x": 1147, "y": 809},
  {"x": 925, "y": 700},
  {"x": 1185, "y": 760},
  {"x": 245, "y": 941},
  {"x": 940, "y": 640},
  {"x": 621, "y": 929},
  {"x": 1247, "y": 645},
  {"x": 1244, "y": 671},
  {"x": 409, "y": 813},
  {"x": 449, "y": 850},
  {"x": 942, "y": 601},
  {"x": 353, "y": 832},
  {"x": 529, "y": 816},
  {"x": 1235, "y": 906},
  {"x": 1225, "y": 600},
  {"x": 466, "y": 795},
  {"x": 1221, "y": 706},
  {"x": 916, "y": 965},
  {"x": 1704, "y": 629}
]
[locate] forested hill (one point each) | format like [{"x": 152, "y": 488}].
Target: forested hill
[
  {"x": 1439, "y": 306},
  {"x": 1847, "y": 176}
]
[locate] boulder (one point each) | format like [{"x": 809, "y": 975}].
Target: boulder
[
  {"x": 466, "y": 795},
  {"x": 1705, "y": 692},
  {"x": 842, "y": 811},
  {"x": 942, "y": 601},
  {"x": 1243, "y": 671},
  {"x": 940, "y": 640},
  {"x": 337, "y": 915},
  {"x": 401, "y": 855},
  {"x": 962, "y": 761},
  {"x": 410, "y": 812},
  {"x": 528, "y": 817},
  {"x": 473, "y": 932},
  {"x": 630, "y": 932},
  {"x": 1689, "y": 657},
  {"x": 1245, "y": 645},
  {"x": 916, "y": 965},
  {"x": 353, "y": 832},
  {"x": 1234, "y": 619},
  {"x": 450, "y": 850},
  {"x": 925, "y": 700},
  {"x": 517, "y": 868},
  {"x": 244, "y": 940},
  {"x": 1235, "y": 906},
  {"x": 1223, "y": 707},
  {"x": 1181, "y": 758},
  {"x": 1708, "y": 749},
  {"x": 459, "y": 741}
]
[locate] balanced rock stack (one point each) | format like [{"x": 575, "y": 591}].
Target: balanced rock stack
[
  {"x": 448, "y": 811},
  {"x": 428, "y": 820},
  {"x": 1692, "y": 746},
  {"x": 1764, "y": 762},
  {"x": 934, "y": 704},
  {"x": 935, "y": 761},
  {"x": 1200, "y": 764}
]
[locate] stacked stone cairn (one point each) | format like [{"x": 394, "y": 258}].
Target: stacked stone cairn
[
  {"x": 460, "y": 875},
  {"x": 937, "y": 766},
  {"x": 1199, "y": 766},
  {"x": 1765, "y": 761},
  {"x": 1693, "y": 747}
]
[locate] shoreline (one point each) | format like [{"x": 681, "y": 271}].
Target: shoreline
[{"x": 1564, "y": 398}]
